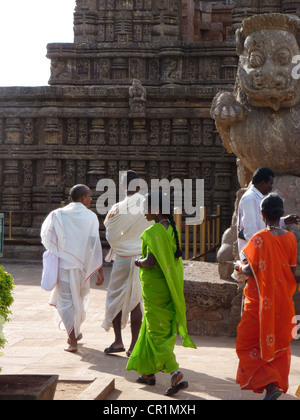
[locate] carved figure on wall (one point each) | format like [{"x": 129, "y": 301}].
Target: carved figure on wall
[
  {"x": 137, "y": 99},
  {"x": 137, "y": 91},
  {"x": 59, "y": 69},
  {"x": 171, "y": 70}
]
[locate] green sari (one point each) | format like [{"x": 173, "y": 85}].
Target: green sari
[{"x": 164, "y": 305}]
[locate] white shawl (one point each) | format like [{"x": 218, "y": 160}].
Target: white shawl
[
  {"x": 72, "y": 233},
  {"x": 124, "y": 226}
]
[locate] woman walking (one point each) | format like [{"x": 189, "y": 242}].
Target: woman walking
[
  {"x": 265, "y": 331},
  {"x": 161, "y": 278}
]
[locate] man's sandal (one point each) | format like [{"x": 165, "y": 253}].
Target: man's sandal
[{"x": 112, "y": 349}]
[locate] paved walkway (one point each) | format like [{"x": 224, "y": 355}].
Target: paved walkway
[{"x": 36, "y": 346}]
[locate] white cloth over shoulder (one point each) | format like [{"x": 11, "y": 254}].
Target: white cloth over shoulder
[
  {"x": 125, "y": 224},
  {"x": 72, "y": 233}
]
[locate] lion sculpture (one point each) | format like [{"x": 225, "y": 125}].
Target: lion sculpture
[{"x": 260, "y": 121}]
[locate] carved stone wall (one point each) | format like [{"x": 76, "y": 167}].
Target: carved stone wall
[{"x": 87, "y": 125}]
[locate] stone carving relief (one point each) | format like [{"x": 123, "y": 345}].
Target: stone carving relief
[
  {"x": 28, "y": 131},
  {"x": 133, "y": 20},
  {"x": 137, "y": 99},
  {"x": 259, "y": 121}
]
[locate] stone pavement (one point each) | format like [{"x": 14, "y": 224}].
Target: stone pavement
[{"x": 35, "y": 346}]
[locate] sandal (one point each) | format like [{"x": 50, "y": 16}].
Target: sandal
[
  {"x": 149, "y": 380},
  {"x": 111, "y": 349},
  {"x": 175, "y": 388},
  {"x": 273, "y": 397}
]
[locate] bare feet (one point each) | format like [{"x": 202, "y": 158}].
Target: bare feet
[
  {"x": 72, "y": 341},
  {"x": 71, "y": 349},
  {"x": 80, "y": 337}
]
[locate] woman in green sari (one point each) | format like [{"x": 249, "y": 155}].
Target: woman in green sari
[{"x": 161, "y": 278}]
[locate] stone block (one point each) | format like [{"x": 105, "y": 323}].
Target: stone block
[
  {"x": 206, "y": 17},
  {"x": 225, "y": 270},
  {"x": 214, "y": 35},
  {"x": 209, "y": 300},
  {"x": 205, "y": 6}
]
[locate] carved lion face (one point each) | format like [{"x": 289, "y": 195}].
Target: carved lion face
[{"x": 265, "y": 69}]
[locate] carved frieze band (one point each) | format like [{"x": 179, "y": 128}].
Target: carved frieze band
[{"x": 170, "y": 66}]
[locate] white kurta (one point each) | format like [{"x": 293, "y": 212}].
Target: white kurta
[
  {"x": 124, "y": 227},
  {"x": 72, "y": 233},
  {"x": 249, "y": 216}
]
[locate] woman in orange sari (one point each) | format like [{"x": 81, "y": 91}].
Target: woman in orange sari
[{"x": 265, "y": 331}]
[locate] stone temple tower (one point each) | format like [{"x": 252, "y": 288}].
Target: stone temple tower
[{"x": 90, "y": 122}]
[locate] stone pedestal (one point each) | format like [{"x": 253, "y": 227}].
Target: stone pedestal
[{"x": 213, "y": 304}]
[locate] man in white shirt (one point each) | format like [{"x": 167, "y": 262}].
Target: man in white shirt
[
  {"x": 124, "y": 224},
  {"x": 72, "y": 234},
  {"x": 249, "y": 214}
]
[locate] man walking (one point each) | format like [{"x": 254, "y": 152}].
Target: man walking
[
  {"x": 124, "y": 224},
  {"x": 72, "y": 234},
  {"x": 250, "y": 220}
]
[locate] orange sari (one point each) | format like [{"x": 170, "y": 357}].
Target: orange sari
[{"x": 265, "y": 331}]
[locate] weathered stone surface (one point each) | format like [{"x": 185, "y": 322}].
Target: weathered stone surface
[
  {"x": 228, "y": 252},
  {"x": 210, "y": 300},
  {"x": 259, "y": 121},
  {"x": 288, "y": 186}
]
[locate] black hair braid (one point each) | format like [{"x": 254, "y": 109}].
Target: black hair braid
[{"x": 178, "y": 252}]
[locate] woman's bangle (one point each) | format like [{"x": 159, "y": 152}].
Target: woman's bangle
[{"x": 138, "y": 263}]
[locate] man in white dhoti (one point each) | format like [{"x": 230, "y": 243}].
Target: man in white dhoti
[
  {"x": 72, "y": 234},
  {"x": 124, "y": 224}
]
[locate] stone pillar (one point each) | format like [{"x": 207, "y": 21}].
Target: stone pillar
[
  {"x": 53, "y": 134},
  {"x": 13, "y": 131},
  {"x": 98, "y": 132},
  {"x": 11, "y": 193}
]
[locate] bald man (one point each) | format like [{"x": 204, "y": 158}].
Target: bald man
[{"x": 72, "y": 234}]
